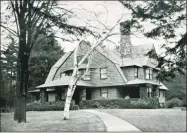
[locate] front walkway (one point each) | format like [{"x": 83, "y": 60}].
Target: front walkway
[{"x": 114, "y": 123}]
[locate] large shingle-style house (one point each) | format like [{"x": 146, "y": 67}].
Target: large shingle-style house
[{"x": 113, "y": 74}]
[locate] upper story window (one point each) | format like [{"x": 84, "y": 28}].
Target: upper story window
[
  {"x": 68, "y": 73},
  {"x": 88, "y": 75},
  {"x": 103, "y": 73},
  {"x": 82, "y": 72},
  {"x": 149, "y": 73},
  {"x": 79, "y": 58},
  {"x": 136, "y": 72}
]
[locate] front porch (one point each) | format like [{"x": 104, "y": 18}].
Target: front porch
[{"x": 81, "y": 93}]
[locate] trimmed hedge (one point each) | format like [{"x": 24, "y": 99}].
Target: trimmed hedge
[
  {"x": 105, "y": 103},
  {"x": 50, "y": 106},
  {"x": 149, "y": 103}
]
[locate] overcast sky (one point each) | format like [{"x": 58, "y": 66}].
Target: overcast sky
[{"x": 108, "y": 13}]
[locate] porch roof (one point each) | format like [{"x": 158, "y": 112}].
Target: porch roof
[
  {"x": 64, "y": 82},
  {"x": 142, "y": 81}
]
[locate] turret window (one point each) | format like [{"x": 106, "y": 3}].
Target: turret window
[{"x": 149, "y": 74}]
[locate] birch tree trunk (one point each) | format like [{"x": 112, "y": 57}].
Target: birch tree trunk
[{"x": 75, "y": 78}]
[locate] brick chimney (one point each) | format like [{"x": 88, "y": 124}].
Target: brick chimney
[{"x": 125, "y": 41}]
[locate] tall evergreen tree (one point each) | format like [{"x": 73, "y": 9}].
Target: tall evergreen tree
[{"x": 43, "y": 56}]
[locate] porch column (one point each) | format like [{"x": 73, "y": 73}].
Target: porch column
[
  {"x": 83, "y": 94},
  {"x": 143, "y": 92},
  {"x": 43, "y": 95},
  {"x": 156, "y": 92}
]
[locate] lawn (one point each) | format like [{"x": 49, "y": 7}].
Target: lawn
[
  {"x": 52, "y": 121},
  {"x": 153, "y": 120}
]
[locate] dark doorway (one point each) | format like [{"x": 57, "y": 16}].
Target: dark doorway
[
  {"x": 88, "y": 93},
  {"x": 134, "y": 92},
  {"x": 76, "y": 96}
]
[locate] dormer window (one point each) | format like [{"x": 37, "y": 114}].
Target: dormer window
[
  {"x": 136, "y": 72},
  {"x": 149, "y": 74},
  {"x": 68, "y": 73},
  {"x": 79, "y": 58},
  {"x": 103, "y": 73}
]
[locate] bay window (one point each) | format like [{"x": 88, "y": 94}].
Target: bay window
[{"x": 149, "y": 73}]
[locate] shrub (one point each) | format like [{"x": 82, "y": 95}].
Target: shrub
[
  {"x": 183, "y": 103},
  {"x": 149, "y": 103},
  {"x": 105, "y": 103},
  {"x": 48, "y": 106},
  {"x": 174, "y": 102},
  {"x": 75, "y": 107}
]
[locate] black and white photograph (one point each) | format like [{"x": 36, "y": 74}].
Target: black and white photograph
[{"x": 93, "y": 66}]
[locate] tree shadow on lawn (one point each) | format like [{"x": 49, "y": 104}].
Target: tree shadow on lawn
[{"x": 52, "y": 121}]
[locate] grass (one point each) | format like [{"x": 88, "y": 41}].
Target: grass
[
  {"x": 153, "y": 120},
  {"x": 52, "y": 121}
]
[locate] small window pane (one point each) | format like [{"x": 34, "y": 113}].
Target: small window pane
[
  {"x": 103, "y": 73},
  {"x": 104, "y": 92}
]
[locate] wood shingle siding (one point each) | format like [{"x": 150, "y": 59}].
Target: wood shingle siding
[{"x": 99, "y": 61}]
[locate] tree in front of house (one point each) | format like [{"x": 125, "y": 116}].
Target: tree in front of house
[
  {"x": 169, "y": 20},
  {"x": 31, "y": 18},
  {"x": 43, "y": 56}
]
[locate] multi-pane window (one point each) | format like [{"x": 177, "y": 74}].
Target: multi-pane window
[
  {"x": 136, "y": 72},
  {"x": 149, "y": 74},
  {"x": 149, "y": 91},
  {"x": 104, "y": 92},
  {"x": 79, "y": 58},
  {"x": 103, "y": 73}
]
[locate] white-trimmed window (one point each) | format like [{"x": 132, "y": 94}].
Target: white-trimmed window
[
  {"x": 103, "y": 73},
  {"x": 149, "y": 73},
  {"x": 149, "y": 91},
  {"x": 104, "y": 92},
  {"x": 136, "y": 72}
]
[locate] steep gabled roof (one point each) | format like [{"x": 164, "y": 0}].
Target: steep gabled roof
[
  {"x": 56, "y": 66},
  {"x": 138, "y": 57}
]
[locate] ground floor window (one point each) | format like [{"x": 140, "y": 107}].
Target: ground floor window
[
  {"x": 104, "y": 92},
  {"x": 149, "y": 91},
  {"x": 162, "y": 93}
]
